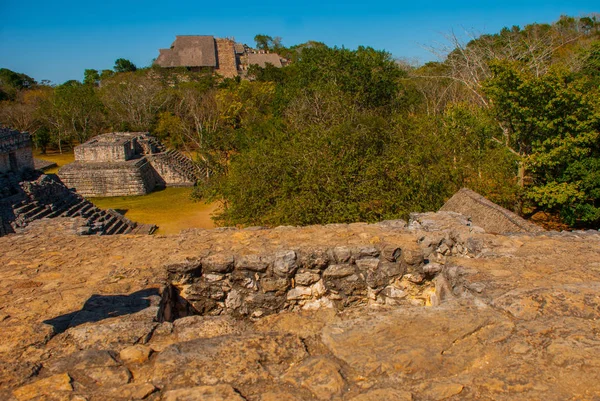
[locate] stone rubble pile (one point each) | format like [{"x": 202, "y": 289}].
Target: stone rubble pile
[{"x": 47, "y": 197}]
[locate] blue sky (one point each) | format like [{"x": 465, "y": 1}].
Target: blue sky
[{"x": 57, "y": 40}]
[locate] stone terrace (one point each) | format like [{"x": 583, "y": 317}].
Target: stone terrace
[
  {"x": 127, "y": 163},
  {"x": 509, "y": 317}
]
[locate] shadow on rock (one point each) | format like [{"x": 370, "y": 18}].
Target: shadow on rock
[{"x": 100, "y": 307}]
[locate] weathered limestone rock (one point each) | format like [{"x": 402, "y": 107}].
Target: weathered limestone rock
[
  {"x": 257, "y": 263},
  {"x": 54, "y": 387},
  {"x": 135, "y": 354},
  {"x": 221, "y": 392},
  {"x": 388, "y": 394},
  {"x": 319, "y": 375},
  {"x": 193, "y": 327},
  {"x": 243, "y": 359},
  {"x": 131, "y": 391},
  {"x": 339, "y": 271},
  {"x": 443, "y": 391},
  {"x": 512, "y": 317},
  {"x": 273, "y": 284},
  {"x": 285, "y": 263},
  {"x": 306, "y": 278},
  {"x": 218, "y": 263},
  {"x": 486, "y": 214}
]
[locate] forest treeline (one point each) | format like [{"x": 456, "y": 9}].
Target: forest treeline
[{"x": 345, "y": 135}]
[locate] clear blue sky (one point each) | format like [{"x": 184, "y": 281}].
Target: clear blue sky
[{"x": 57, "y": 40}]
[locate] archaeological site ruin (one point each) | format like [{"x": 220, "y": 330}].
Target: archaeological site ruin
[
  {"x": 221, "y": 55},
  {"x": 15, "y": 152},
  {"x": 127, "y": 163},
  {"x": 435, "y": 308},
  {"x": 467, "y": 303},
  {"x": 27, "y": 195}
]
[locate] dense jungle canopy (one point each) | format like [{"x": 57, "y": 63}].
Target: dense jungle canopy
[{"x": 344, "y": 135}]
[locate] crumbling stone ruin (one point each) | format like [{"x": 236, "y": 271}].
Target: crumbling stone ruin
[
  {"x": 486, "y": 214},
  {"x": 27, "y": 195},
  {"x": 310, "y": 278},
  {"x": 15, "y": 152},
  {"x": 47, "y": 197},
  {"x": 436, "y": 309},
  {"x": 221, "y": 55},
  {"x": 127, "y": 163}
]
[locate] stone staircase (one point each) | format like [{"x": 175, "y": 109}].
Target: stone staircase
[
  {"x": 47, "y": 197},
  {"x": 182, "y": 164}
]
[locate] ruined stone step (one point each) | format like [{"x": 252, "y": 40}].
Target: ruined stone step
[
  {"x": 110, "y": 223},
  {"x": 75, "y": 208},
  {"x": 85, "y": 207},
  {"x": 109, "y": 217},
  {"x": 95, "y": 215},
  {"x": 116, "y": 228},
  {"x": 143, "y": 229},
  {"x": 58, "y": 211},
  {"x": 32, "y": 212},
  {"x": 59, "y": 208},
  {"x": 24, "y": 209},
  {"x": 43, "y": 213},
  {"x": 88, "y": 211}
]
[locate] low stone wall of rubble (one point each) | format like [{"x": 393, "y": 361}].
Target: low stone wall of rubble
[{"x": 311, "y": 278}]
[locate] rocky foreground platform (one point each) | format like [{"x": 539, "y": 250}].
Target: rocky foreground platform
[{"x": 435, "y": 310}]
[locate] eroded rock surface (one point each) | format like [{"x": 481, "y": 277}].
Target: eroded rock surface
[{"x": 431, "y": 310}]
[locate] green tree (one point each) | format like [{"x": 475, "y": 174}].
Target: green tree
[
  {"x": 552, "y": 123},
  {"x": 267, "y": 43},
  {"x": 12, "y": 82},
  {"x": 72, "y": 112},
  {"x": 369, "y": 76},
  {"x": 91, "y": 77},
  {"x": 124, "y": 65},
  {"x": 105, "y": 74},
  {"x": 133, "y": 100}
]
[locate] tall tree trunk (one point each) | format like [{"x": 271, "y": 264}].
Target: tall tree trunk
[
  {"x": 521, "y": 174},
  {"x": 521, "y": 184}
]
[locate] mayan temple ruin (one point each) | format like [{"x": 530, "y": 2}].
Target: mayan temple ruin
[
  {"x": 15, "y": 152},
  {"x": 27, "y": 195},
  {"x": 221, "y": 55},
  {"x": 127, "y": 163}
]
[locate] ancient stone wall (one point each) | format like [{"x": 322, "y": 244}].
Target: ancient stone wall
[
  {"x": 167, "y": 173},
  {"x": 4, "y": 163},
  {"x": 306, "y": 278},
  {"x": 227, "y": 63},
  {"x": 78, "y": 317},
  {"x": 105, "y": 152},
  {"x": 135, "y": 177},
  {"x": 15, "y": 151}
]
